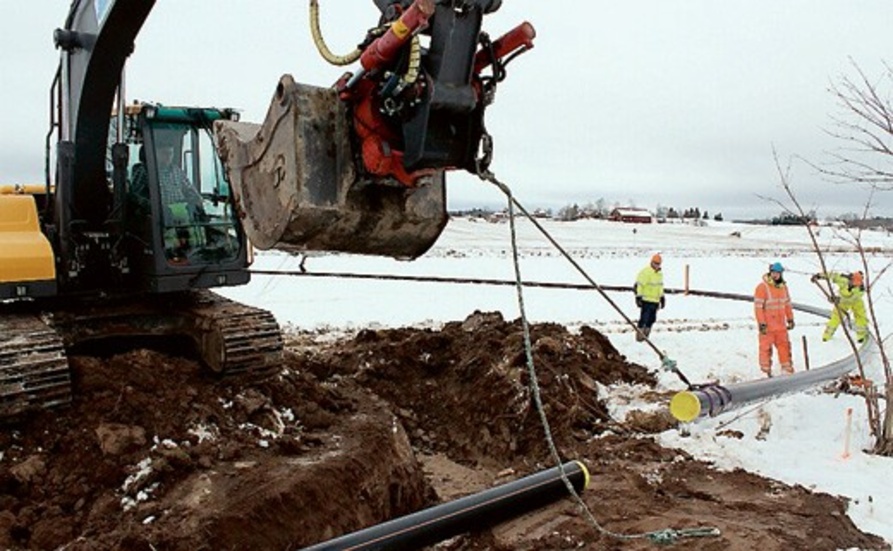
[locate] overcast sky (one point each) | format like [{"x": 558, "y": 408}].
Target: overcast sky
[{"x": 643, "y": 101}]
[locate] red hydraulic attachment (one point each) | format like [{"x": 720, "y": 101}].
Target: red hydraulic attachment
[
  {"x": 378, "y": 139},
  {"x": 379, "y": 133},
  {"x": 385, "y": 48},
  {"x": 376, "y": 134},
  {"x": 520, "y": 37}
]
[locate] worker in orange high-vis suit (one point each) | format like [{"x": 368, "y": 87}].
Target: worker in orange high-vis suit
[{"x": 775, "y": 317}]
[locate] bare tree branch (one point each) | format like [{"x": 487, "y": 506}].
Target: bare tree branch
[
  {"x": 865, "y": 128},
  {"x": 829, "y": 292}
]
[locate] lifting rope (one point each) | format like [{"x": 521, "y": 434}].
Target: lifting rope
[
  {"x": 665, "y": 536},
  {"x": 667, "y": 363}
]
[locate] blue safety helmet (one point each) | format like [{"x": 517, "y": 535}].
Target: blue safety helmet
[{"x": 776, "y": 267}]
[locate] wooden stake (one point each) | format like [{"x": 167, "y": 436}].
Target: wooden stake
[
  {"x": 805, "y": 352},
  {"x": 686, "y": 279},
  {"x": 846, "y": 433}
]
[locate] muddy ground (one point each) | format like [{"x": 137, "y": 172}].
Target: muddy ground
[{"x": 155, "y": 453}]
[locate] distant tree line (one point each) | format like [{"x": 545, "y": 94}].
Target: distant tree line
[
  {"x": 792, "y": 219},
  {"x": 600, "y": 210},
  {"x": 670, "y": 213}
]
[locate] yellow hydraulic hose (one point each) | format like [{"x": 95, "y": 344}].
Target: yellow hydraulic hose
[
  {"x": 415, "y": 61},
  {"x": 321, "y": 43},
  {"x": 415, "y": 50}
]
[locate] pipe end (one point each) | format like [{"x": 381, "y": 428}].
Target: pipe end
[
  {"x": 586, "y": 476},
  {"x": 685, "y": 406}
]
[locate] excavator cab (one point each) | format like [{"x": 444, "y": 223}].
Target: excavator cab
[{"x": 180, "y": 222}]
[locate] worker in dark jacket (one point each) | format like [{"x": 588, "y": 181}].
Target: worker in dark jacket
[{"x": 649, "y": 296}]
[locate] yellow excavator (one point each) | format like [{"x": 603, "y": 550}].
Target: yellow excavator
[{"x": 150, "y": 206}]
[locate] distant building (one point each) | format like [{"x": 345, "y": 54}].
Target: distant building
[{"x": 631, "y": 215}]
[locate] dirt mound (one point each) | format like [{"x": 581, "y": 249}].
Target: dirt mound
[{"x": 154, "y": 453}]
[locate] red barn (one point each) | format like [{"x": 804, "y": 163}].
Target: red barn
[{"x": 631, "y": 215}]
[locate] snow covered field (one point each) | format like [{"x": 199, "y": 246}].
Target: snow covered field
[{"x": 798, "y": 439}]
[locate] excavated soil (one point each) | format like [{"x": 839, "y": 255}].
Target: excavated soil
[{"x": 155, "y": 453}]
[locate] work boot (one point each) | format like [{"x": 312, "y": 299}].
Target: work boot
[
  {"x": 640, "y": 335},
  {"x": 647, "y": 331}
]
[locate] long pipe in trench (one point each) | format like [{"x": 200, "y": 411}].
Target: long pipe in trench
[
  {"x": 686, "y": 406},
  {"x": 469, "y": 513}
]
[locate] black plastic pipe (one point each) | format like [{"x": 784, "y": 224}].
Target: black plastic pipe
[{"x": 472, "y": 512}]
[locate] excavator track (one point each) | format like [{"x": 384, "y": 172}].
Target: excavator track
[
  {"x": 238, "y": 339},
  {"x": 33, "y": 366},
  {"x": 230, "y": 338}
]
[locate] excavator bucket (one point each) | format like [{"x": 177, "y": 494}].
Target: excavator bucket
[{"x": 297, "y": 188}]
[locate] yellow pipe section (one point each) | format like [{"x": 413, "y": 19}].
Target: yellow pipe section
[{"x": 685, "y": 406}]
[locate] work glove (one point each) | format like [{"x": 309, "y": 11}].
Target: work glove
[
  {"x": 815, "y": 277},
  {"x": 663, "y": 302},
  {"x": 763, "y": 329},
  {"x": 790, "y": 324},
  {"x": 638, "y": 302}
]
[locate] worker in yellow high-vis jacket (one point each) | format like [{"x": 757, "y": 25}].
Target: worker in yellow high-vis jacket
[
  {"x": 850, "y": 294},
  {"x": 649, "y": 295}
]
